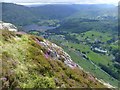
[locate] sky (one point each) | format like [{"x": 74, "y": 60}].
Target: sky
[{"x": 27, "y": 2}]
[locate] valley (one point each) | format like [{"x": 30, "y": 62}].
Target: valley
[
  {"x": 89, "y": 59},
  {"x": 92, "y": 49},
  {"x": 88, "y": 33}
]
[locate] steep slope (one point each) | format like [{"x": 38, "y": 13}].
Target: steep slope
[{"x": 33, "y": 62}]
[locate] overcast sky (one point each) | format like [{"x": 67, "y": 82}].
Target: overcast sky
[{"x": 63, "y": 1}]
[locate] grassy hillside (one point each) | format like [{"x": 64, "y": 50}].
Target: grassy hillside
[
  {"x": 78, "y": 45},
  {"x": 79, "y": 25},
  {"x": 25, "y": 65}
]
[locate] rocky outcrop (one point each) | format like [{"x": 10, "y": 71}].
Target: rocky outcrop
[
  {"x": 56, "y": 53},
  {"x": 8, "y": 26}
]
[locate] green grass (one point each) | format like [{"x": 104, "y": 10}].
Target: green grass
[
  {"x": 92, "y": 35},
  {"x": 96, "y": 58},
  {"x": 87, "y": 66}
]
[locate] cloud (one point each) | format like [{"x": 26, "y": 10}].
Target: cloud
[{"x": 65, "y": 1}]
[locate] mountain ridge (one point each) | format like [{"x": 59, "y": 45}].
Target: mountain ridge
[{"x": 28, "y": 15}]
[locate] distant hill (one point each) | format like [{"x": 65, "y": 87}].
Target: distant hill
[
  {"x": 22, "y": 15},
  {"x": 80, "y": 25},
  {"x": 16, "y": 14},
  {"x": 94, "y": 10},
  {"x": 53, "y": 11}
]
